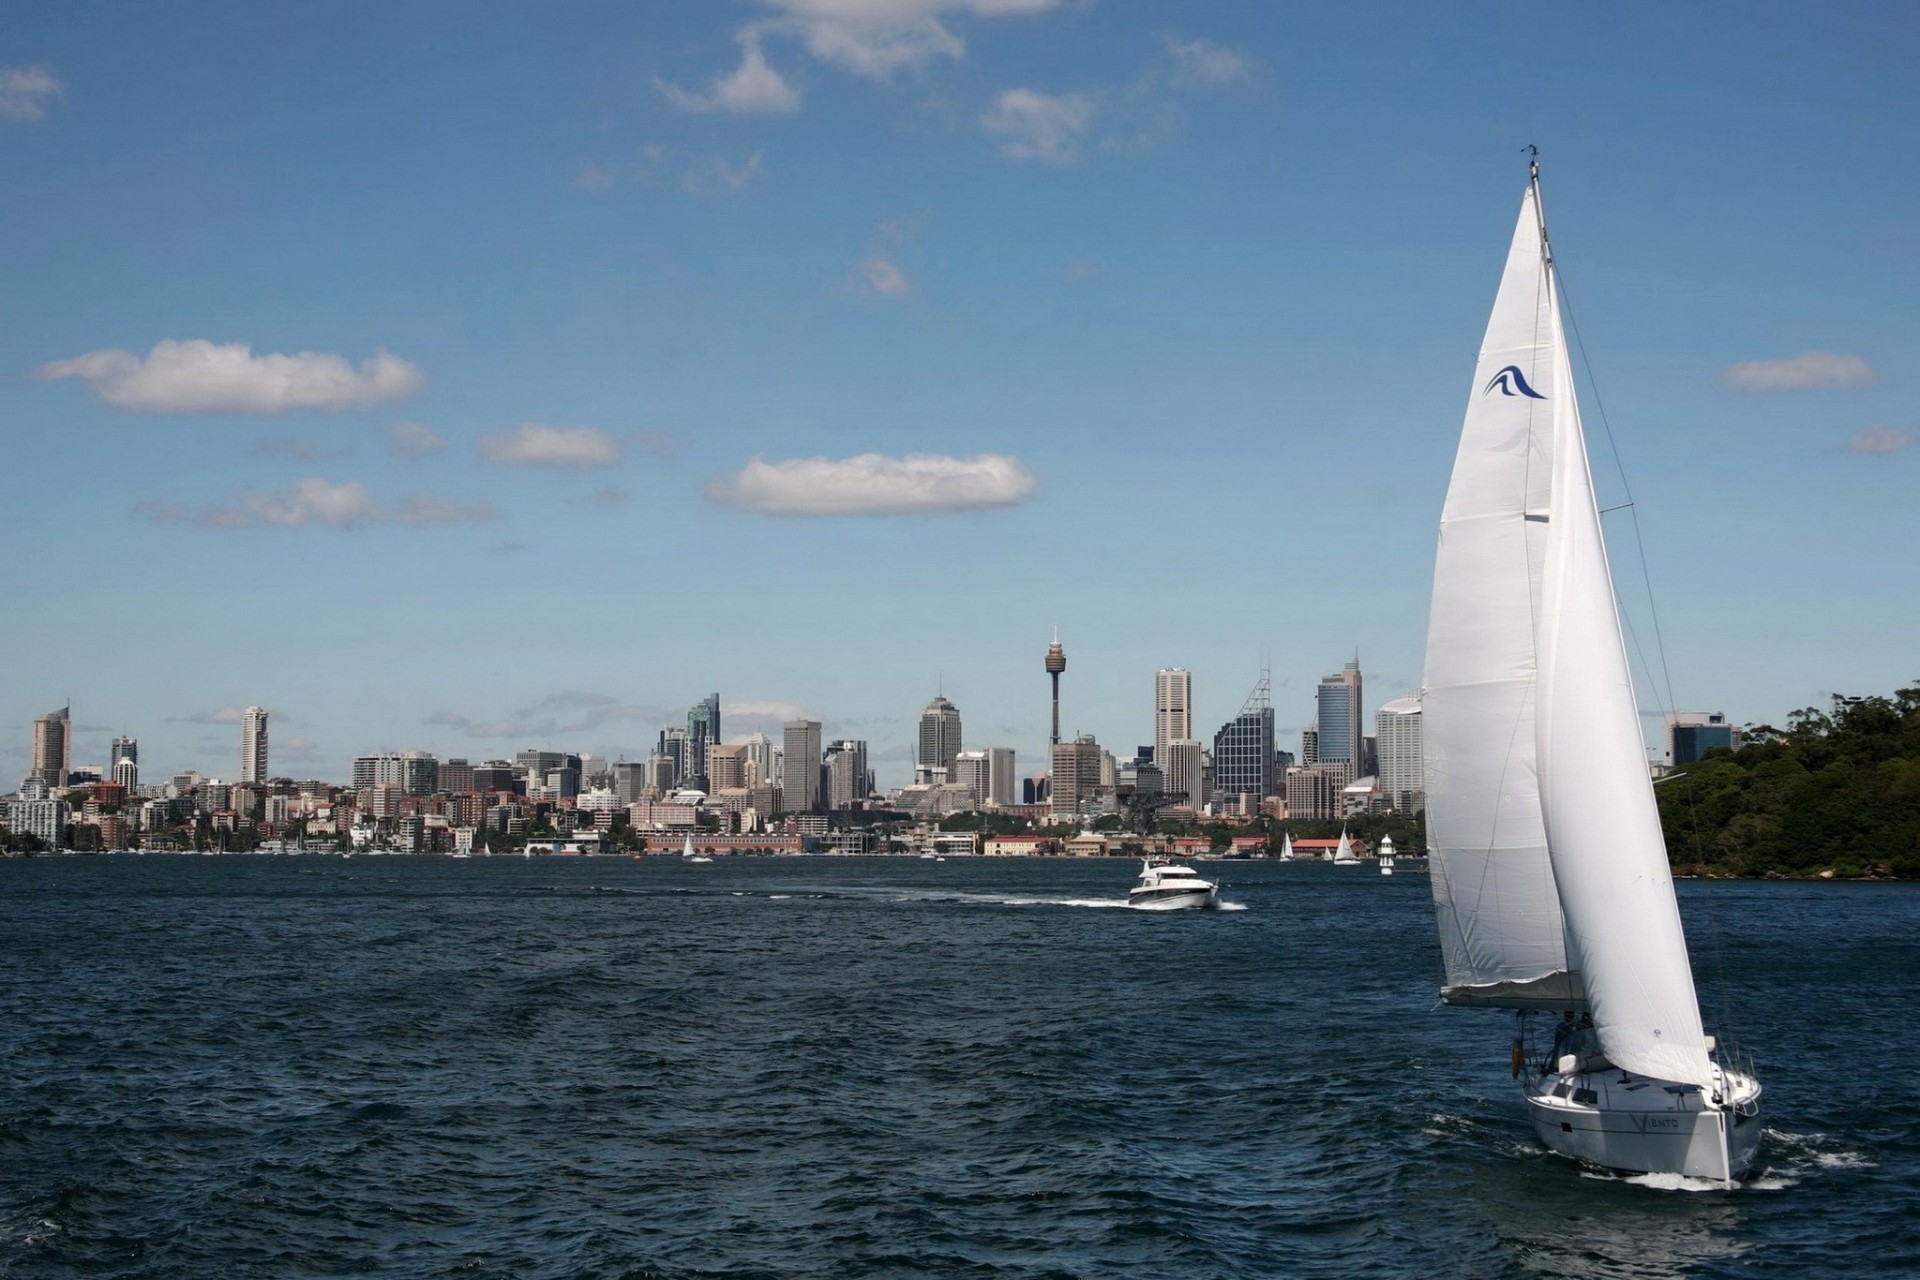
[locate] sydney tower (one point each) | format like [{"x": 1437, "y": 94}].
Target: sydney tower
[{"x": 1056, "y": 663}]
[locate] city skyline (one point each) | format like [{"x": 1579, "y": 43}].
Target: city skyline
[{"x": 294, "y": 382}]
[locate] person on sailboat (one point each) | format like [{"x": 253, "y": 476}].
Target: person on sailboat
[{"x": 1564, "y": 1033}]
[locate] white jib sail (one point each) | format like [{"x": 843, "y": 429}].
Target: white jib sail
[
  {"x": 1493, "y": 889},
  {"x": 1609, "y": 856}
]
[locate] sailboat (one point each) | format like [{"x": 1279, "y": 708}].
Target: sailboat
[
  {"x": 1551, "y": 884},
  {"x": 687, "y": 851},
  {"x": 1286, "y": 851},
  {"x": 1343, "y": 855}
]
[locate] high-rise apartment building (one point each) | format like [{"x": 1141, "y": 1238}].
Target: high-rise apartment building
[
  {"x": 456, "y": 776},
  {"x": 1243, "y": 755},
  {"x": 416, "y": 773},
  {"x": 53, "y": 747},
  {"x": 677, "y": 747},
  {"x": 800, "y": 774},
  {"x": 1341, "y": 728},
  {"x": 726, "y": 767},
  {"x": 1172, "y": 707},
  {"x": 123, "y": 763},
  {"x": 253, "y": 745},
  {"x": 989, "y": 772},
  {"x": 1183, "y": 764},
  {"x": 761, "y": 767},
  {"x": 1076, "y": 776},
  {"x": 1397, "y": 739},
  {"x": 939, "y": 736},
  {"x": 847, "y": 779}
]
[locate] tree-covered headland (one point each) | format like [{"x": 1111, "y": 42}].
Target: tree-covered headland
[{"x": 1834, "y": 792}]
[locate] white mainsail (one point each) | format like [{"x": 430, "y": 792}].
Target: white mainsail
[
  {"x": 1287, "y": 851},
  {"x": 1603, "y": 829},
  {"x": 1493, "y": 886}
]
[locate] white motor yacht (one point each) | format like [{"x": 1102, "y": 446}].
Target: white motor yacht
[{"x": 1166, "y": 886}]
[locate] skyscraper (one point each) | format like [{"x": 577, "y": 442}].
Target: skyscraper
[
  {"x": 1056, "y": 663},
  {"x": 761, "y": 770},
  {"x": 53, "y": 747},
  {"x": 123, "y": 763},
  {"x": 800, "y": 773},
  {"x": 1340, "y": 723},
  {"x": 939, "y": 736},
  {"x": 253, "y": 745},
  {"x": 1397, "y": 732},
  {"x": 846, "y": 774},
  {"x": 1243, "y": 756},
  {"x": 1076, "y": 776},
  {"x": 726, "y": 767},
  {"x": 1183, "y": 764},
  {"x": 703, "y": 731},
  {"x": 1172, "y": 707}
]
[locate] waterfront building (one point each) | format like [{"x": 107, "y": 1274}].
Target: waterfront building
[
  {"x": 847, "y": 779},
  {"x": 1183, "y": 763},
  {"x": 42, "y": 816},
  {"x": 939, "y": 735},
  {"x": 1341, "y": 728},
  {"x": 1397, "y": 733},
  {"x": 1691, "y": 734},
  {"x": 253, "y": 745},
  {"x": 53, "y": 747},
  {"x": 800, "y": 776},
  {"x": 1243, "y": 754},
  {"x": 1172, "y": 707}
]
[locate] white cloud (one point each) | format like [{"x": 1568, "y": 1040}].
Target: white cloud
[
  {"x": 223, "y": 715},
  {"x": 596, "y": 177},
  {"x": 534, "y": 445},
  {"x": 197, "y": 376},
  {"x": 26, "y": 91},
  {"x": 412, "y": 440},
  {"x": 1203, "y": 62},
  {"x": 719, "y": 176},
  {"x": 755, "y": 89},
  {"x": 877, "y": 275},
  {"x": 1039, "y": 126},
  {"x": 1810, "y": 369},
  {"x": 426, "y": 509},
  {"x": 876, "y": 38},
  {"x": 730, "y": 711},
  {"x": 874, "y": 484},
  {"x": 347, "y": 505},
  {"x": 1880, "y": 440}
]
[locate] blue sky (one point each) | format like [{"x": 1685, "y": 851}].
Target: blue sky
[{"x": 403, "y": 368}]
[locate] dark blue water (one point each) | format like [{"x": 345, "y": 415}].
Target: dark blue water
[{"x": 410, "y": 1067}]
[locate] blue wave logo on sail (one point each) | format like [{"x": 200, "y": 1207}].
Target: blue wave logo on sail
[{"x": 1511, "y": 383}]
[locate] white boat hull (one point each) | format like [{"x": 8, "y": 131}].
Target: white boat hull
[
  {"x": 1634, "y": 1125},
  {"x": 1179, "y": 900}
]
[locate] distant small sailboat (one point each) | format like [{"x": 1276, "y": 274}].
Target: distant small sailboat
[
  {"x": 687, "y": 852},
  {"x": 1286, "y": 847},
  {"x": 1343, "y": 856},
  {"x": 1551, "y": 882}
]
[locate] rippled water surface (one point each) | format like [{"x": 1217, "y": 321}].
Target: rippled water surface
[{"x": 772, "y": 1067}]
